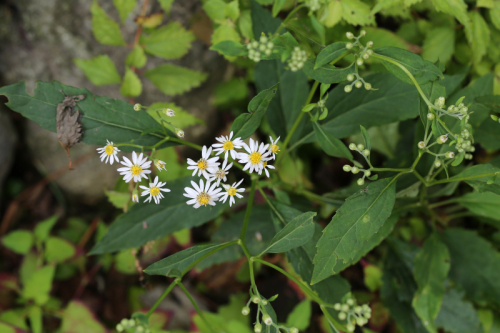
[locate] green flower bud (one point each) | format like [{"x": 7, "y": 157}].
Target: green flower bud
[
  {"x": 352, "y": 146},
  {"x": 358, "y": 84},
  {"x": 350, "y": 301},
  {"x": 256, "y": 299},
  {"x": 346, "y": 168},
  {"x": 369, "y": 44},
  {"x": 348, "y": 46},
  {"x": 294, "y": 330},
  {"x": 362, "y": 33},
  {"x": 124, "y": 322},
  {"x": 366, "y": 152},
  {"x": 368, "y": 86},
  {"x": 361, "y": 181},
  {"x": 450, "y": 154},
  {"x": 354, "y": 170},
  {"x": 267, "y": 319},
  {"x": 245, "y": 311},
  {"x": 137, "y": 107},
  {"x": 345, "y": 307},
  {"x": 359, "y": 62},
  {"x": 348, "y": 88},
  {"x": 257, "y": 328},
  {"x": 368, "y": 173},
  {"x": 437, "y": 163},
  {"x": 421, "y": 145},
  {"x": 430, "y": 116},
  {"x": 119, "y": 327},
  {"x": 342, "y": 315},
  {"x": 358, "y": 309},
  {"x": 361, "y": 147},
  {"x": 350, "y": 327},
  {"x": 337, "y": 306},
  {"x": 350, "y": 77},
  {"x": 349, "y": 35}
]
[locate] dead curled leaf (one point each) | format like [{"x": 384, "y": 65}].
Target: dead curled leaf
[{"x": 69, "y": 127}]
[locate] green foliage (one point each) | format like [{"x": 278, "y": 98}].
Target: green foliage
[
  {"x": 58, "y": 250},
  {"x": 131, "y": 85},
  {"x": 19, "y": 241},
  {"x": 43, "y": 228},
  {"x": 330, "y": 144},
  {"x": 330, "y": 53},
  {"x": 104, "y": 28},
  {"x": 38, "y": 285},
  {"x": 124, "y": 7},
  {"x": 78, "y": 318},
  {"x": 169, "y": 42},
  {"x": 300, "y": 316},
  {"x": 136, "y": 58},
  {"x": 458, "y": 315},
  {"x": 174, "y": 80},
  {"x": 482, "y": 204},
  {"x": 99, "y": 70}
]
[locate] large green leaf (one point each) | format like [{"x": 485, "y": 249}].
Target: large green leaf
[
  {"x": 327, "y": 73},
  {"x": 146, "y": 222},
  {"x": 262, "y": 20},
  {"x": 475, "y": 264},
  {"x": 169, "y": 42},
  {"x": 329, "y": 53},
  {"x": 104, "y": 28},
  {"x": 359, "y": 218},
  {"x": 485, "y": 204},
  {"x": 422, "y": 70},
  {"x": 247, "y": 123},
  {"x": 300, "y": 317},
  {"x": 368, "y": 108},
  {"x": 174, "y": 80},
  {"x": 479, "y": 87},
  {"x": 475, "y": 177},
  {"x": 103, "y": 118},
  {"x": 181, "y": 260},
  {"x": 439, "y": 44},
  {"x": 458, "y": 315},
  {"x": 230, "y": 48},
  {"x": 479, "y": 36},
  {"x": 330, "y": 144},
  {"x": 19, "y": 241},
  {"x": 42, "y": 229},
  {"x": 100, "y": 70},
  {"x": 296, "y": 233},
  {"x": 124, "y": 7},
  {"x": 431, "y": 269},
  {"x": 457, "y": 8},
  {"x": 487, "y": 132},
  {"x": 39, "y": 284}
]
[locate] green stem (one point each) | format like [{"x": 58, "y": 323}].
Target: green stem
[
  {"x": 389, "y": 169},
  {"x": 285, "y": 21},
  {"x": 165, "y": 293},
  {"x": 197, "y": 308},
  {"x": 443, "y": 181},
  {"x": 442, "y": 203},
  {"x": 248, "y": 211},
  {"x": 271, "y": 205}
]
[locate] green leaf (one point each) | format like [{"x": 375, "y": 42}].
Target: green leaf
[
  {"x": 136, "y": 58},
  {"x": 77, "y": 318},
  {"x": 166, "y": 5},
  {"x": 58, "y": 250},
  {"x": 327, "y": 73},
  {"x": 230, "y": 48},
  {"x": 422, "y": 70},
  {"x": 38, "y": 285},
  {"x": 439, "y": 44},
  {"x": 215, "y": 9},
  {"x": 183, "y": 236},
  {"x": 262, "y": 20},
  {"x": 359, "y": 218},
  {"x": 181, "y": 260},
  {"x": 245, "y": 24},
  {"x": 483, "y": 204},
  {"x": 169, "y": 42},
  {"x": 182, "y": 119},
  {"x": 383, "y": 37},
  {"x": 131, "y": 86},
  {"x": 232, "y": 10},
  {"x": 225, "y": 31},
  {"x": 474, "y": 265},
  {"x": 174, "y": 80},
  {"x": 246, "y": 124},
  {"x": 431, "y": 270},
  {"x": 103, "y": 118},
  {"x": 331, "y": 145},
  {"x": 457, "y": 8},
  {"x": 366, "y": 136},
  {"x": 479, "y": 36},
  {"x": 356, "y": 12},
  {"x": 333, "y": 14},
  {"x": 118, "y": 199},
  {"x": 35, "y": 317},
  {"x": 329, "y": 53},
  {"x": 457, "y": 315},
  {"x": 42, "y": 229},
  {"x": 125, "y": 262},
  {"x": 495, "y": 14},
  {"x": 100, "y": 70},
  {"x": 300, "y": 317},
  {"x": 296, "y": 233},
  {"x": 373, "y": 277},
  {"x": 104, "y": 28},
  {"x": 277, "y": 6},
  {"x": 124, "y": 8},
  {"x": 146, "y": 222},
  {"x": 433, "y": 90},
  {"x": 19, "y": 241}
]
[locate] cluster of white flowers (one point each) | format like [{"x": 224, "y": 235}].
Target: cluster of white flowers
[
  {"x": 208, "y": 192},
  {"x": 126, "y": 324},
  {"x": 256, "y": 48},
  {"x": 297, "y": 60},
  {"x": 353, "y": 313},
  {"x": 360, "y": 148}
]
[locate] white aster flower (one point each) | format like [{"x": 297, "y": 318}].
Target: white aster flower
[
  {"x": 205, "y": 164},
  {"x": 221, "y": 173},
  {"x": 135, "y": 169},
  {"x": 154, "y": 190},
  {"x": 202, "y": 195},
  {"x": 231, "y": 192},
  {"x": 264, "y": 166},
  {"x": 160, "y": 165},
  {"x": 109, "y": 152},
  {"x": 256, "y": 156},
  {"x": 227, "y": 145},
  {"x": 274, "y": 148}
]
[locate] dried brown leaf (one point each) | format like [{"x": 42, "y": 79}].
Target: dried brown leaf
[{"x": 69, "y": 127}]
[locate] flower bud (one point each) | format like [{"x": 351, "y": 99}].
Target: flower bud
[
  {"x": 337, "y": 306},
  {"x": 257, "y": 328},
  {"x": 354, "y": 170},
  {"x": 119, "y": 327},
  {"x": 140, "y": 329},
  {"x": 368, "y": 86},
  {"x": 349, "y": 35},
  {"x": 437, "y": 163},
  {"x": 348, "y": 46},
  {"x": 366, "y": 308},
  {"x": 368, "y": 173},
  {"x": 294, "y": 330},
  {"x": 369, "y": 44},
  {"x": 135, "y": 196},
  {"x": 361, "y": 181},
  {"x": 360, "y": 321},
  {"x": 263, "y": 39},
  {"x": 256, "y": 299},
  {"x": 270, "y": 45},
  {"x": 169, "y": 112},
  {"x": 137, "y": 107},
  {"x": 367, "y": 315},
  {"x": 264, "y": 302},
  {"x": 346, "y": 168},
  {"x": 362, "y": 33},
  {"x": 131, "y": 322},
  {"x": 421, "y": 145},
  {"x": 361, "y": 147},
  {"x": 245, "y": 311},
  {"x": 442, "y": 139},
  {"x": 345, "y": 307},
  {"x": 350, "y": 77},
  {"x": 342, "y": 315},
  {"x": 348, "y": 88},
  {"x": 352, "y": 146},
  {"x": 350, "y": 327},
  {"x": 430, "y": 116},
  {"x": 124, "y": 322},
  {"x": 365, "y": 55},
  {"x": 179, "y": 132},
  {"x": 358, "y": 309},
  {"x": 358, "y": 84},
  {"x": 350, "y": 301},
  {"x": 267, "y": 319},
  {"x": 366, "y": 152},
  {"x": 359, "y": 62},
  {"x": 450, "y": 154}
]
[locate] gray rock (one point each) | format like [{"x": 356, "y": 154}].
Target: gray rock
[{"x": 8, "y": 139}]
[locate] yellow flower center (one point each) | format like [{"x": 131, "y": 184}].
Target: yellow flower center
[
  {"x": 228, "y": 145},
  {"x": 202, "y": 164},
  {"x": 255, "y": 158},
  {"x": 264, "y": 164},
  {"x": 154, "y": 191},
  {"x": 275, "y": 149},
  {"x": 203, "y": 198},
  {"x": 220, "y": 173},
  {"x": 136, "y": 170},
  {"x": 231, "y": 191},
  {"x": 109, "y": 149}
]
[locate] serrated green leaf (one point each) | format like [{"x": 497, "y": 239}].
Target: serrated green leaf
[
  {"x": 263, "y": 20},
  {"x": 77, "y": 318},
  {"x": 58, "y": 250},
  {"x": 145, "y": 222},
  {"x": 474, "y": 176},
  {"x": 232, "y": 10},
  {"x": 181, "y": 260},
  {"x": 483, "y": 204},
  {"x": 174, "y": 80},
  {"x": 19, "y": 241},
  {"x": 431, "y": 268},
  {"x": 439, "y": 44},
  {"x": 359, "y": 218},
  {"x": 458, "y": 315},
  {"x": 43, "y": 228},
  {"x": 327, "y": 73},
  {"x": 246, "y": 124},
  {"x": 100, "y": 70},
  {"x": 168, "y": 42},
  {"x": 136, "y": 58},
  {"x": 422, "y": 70},
  {"x": 124, "y": 8},
  {"x": 277, "y": 6},
  {"x": 230, "y": 48},
  {"x": 131, "y": 85},
  {"x": 296, "y": 233},
  {"x": 300, "y": 317},
  {"x": 383, "y": 4},
  {"x": 103, "y": 118},
  {"x": 475, "y": 264},
  {"x": 245, "y": 24},
  {"x": 457, "y": 8},
  {"x": 39, "y": 284},
  {"x": 224, "y": 32},
  {"x": 333, "y": 14},
  {"x": 331, "y": 145},
  {"x": 495, "y": 14},
  {"x": 104, "y": 28},
  {"x": 166, "y": 5},
  {"x": 479, "y": 36},
  {"x": 215, "y": 9},
  {"x": 329, "y": 53},
  {"x": 356, "y": 12},
  {"x": 383, "y": 37}
]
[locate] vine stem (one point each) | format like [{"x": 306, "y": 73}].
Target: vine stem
[
  {"x": 165, "y": 293},
  {"x": 197, "y": 308}
]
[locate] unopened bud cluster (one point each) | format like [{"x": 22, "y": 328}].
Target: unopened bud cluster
[
  {"x": 366, "y": 52},
  {"x": 464, "y": 144},
  {"x": 354, "y": 314},
  {"x": 257, "y": 48},
  {"x": 360, "y": 148},
  {"x": 126, "y": 324},
  {"x": 357, "y": 81},
  {"x": 297, "y": 60}
]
